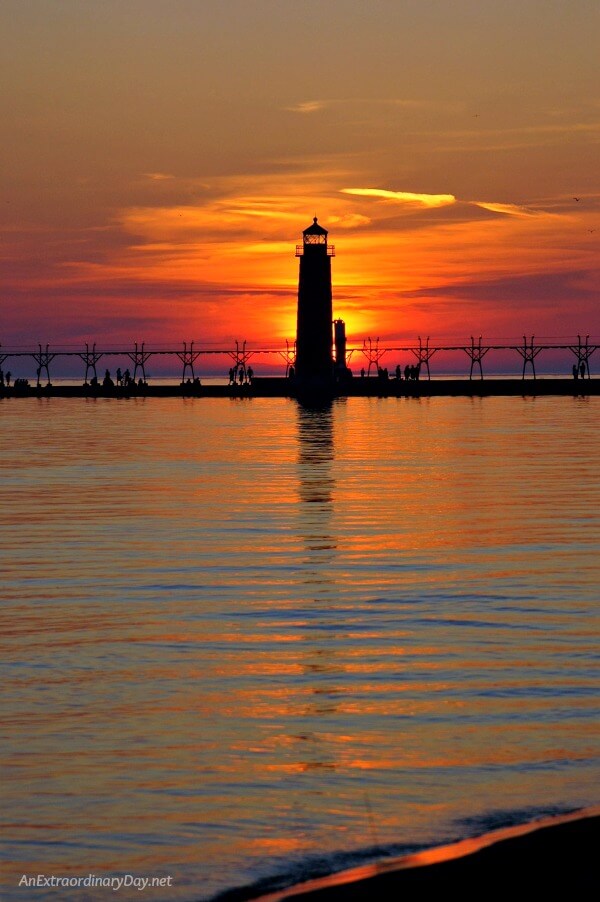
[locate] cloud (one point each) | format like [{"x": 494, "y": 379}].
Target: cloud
[
  {"x": 405, "y": 197},
  {"x": 158, "y": 176},
  {"x": 349, "y": 220},
  {"x": 315, "y": 106},
  {"x": 529, "y": 291},
  {"x": 508, "y": 209},
  {"x": 307, "y": 106}
]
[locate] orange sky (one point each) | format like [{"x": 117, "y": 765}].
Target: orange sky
[{"x": 163, "y": 159}]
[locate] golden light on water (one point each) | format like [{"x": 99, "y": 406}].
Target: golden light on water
[{"x": 301, "y": 606}]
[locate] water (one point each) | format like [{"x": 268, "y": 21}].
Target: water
[{"x": 244, "y": 640}]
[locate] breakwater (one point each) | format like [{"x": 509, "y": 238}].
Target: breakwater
[{"x": 354, "y": 387}]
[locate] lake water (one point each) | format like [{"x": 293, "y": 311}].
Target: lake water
[{"x": 243, "y": 639}]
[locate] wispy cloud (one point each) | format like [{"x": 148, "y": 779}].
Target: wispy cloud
[
  {"x": 314, "y": 106},
  {"x": 404, "y": 197},
  {"x": 508, "y": 209},
  {"x": 349, "y": 220},
  {"x": 307, "y": 106},
  {"x": 158, "y": 176}
]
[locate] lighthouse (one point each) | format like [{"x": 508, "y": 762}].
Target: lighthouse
[{"x": 314, "y": 335}]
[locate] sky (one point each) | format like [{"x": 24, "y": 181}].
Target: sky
[{"x": 161, "y": 158}]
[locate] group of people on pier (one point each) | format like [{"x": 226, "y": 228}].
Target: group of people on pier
[
  {"x": 4, "y": 378},
  {"x": 240, "y": 374},
  {"x": 411, "y": 373},
  {"x": 123, "y": 380},
  {"x": 579, "y": 370}
]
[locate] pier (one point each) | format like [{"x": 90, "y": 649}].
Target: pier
[
  {"x": 281, "y": 388},
  {"x": 372, "y": 379}
]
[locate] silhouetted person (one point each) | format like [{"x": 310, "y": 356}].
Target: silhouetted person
[
  {"x": 417, "y": 371},
  {"x": 107, "y": 382},
  {"x": 575, "y": 371},
  {"x": 582, "y": 369},
  {"x": 119, "y": 376},
  {"x": 7, "y": 378},
  {"x": 362, "y": 372},
  {"x": 398, "y": 371},
  {"x": 407, "y": 373},
  {"x": 250, "y": 374},
  {"x": 291, "y": 373}
]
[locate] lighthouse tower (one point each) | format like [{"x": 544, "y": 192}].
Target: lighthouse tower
[{"x": 314, "y": 335}]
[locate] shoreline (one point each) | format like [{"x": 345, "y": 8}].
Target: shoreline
[
  {"x": 540, "y": 855},
  {"x": 276, "y": 387}
]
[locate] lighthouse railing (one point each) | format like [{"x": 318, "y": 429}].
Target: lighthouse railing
[{"x": 300, "y": 249}]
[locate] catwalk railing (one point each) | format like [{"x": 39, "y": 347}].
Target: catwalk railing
[{"x": 372, "y": 352}]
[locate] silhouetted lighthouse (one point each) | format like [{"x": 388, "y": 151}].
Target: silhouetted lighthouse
[{"x": 314, "y": 335}]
